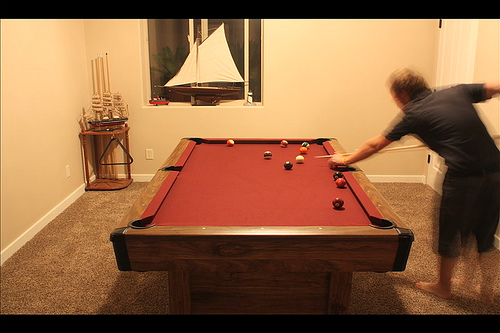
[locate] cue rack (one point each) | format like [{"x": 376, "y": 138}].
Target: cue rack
[{"x": 104, "y": 127}]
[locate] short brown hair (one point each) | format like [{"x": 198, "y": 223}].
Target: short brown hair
[{"x": 407, "y": 80}]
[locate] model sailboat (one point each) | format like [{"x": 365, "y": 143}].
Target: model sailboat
[{"x": 210, "y": 61}]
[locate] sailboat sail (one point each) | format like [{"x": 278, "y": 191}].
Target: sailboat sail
[
  {"x": 209, "y": 62},
  {"x": 188, "y": 72}
]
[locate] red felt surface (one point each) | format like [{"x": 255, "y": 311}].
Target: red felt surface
[{"x": 222, "y": 186}]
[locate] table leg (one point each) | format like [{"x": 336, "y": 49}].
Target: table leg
[
  {"x": 179, "y": 283},
  {"x": 340, "y": 292},
  {"x": 127, "y": 145},
  {"x": 86, "y": 159},
  {"x": 96, "y": 145}
]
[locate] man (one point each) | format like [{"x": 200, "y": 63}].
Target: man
[{"x": 448, "y": 123}]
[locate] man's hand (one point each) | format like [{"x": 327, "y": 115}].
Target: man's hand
[
  {"x": 336, "y": 159},
  {"x": 491, "y": 89}
]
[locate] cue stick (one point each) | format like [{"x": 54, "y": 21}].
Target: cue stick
[
  {"x": 396, "y": 148},
  {"x": 98, "y": 75},
  {"x": 101, "y": 74},
  {"x": 114, "y": 171},
  {"x": 93, "y": 78},
  {"x": 107, "y": 71},
  {"x": 381, "y": 151}
]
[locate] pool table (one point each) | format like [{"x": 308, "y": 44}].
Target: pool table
[{"x": 239, "y": 233}]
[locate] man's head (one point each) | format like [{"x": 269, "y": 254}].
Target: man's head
[{"x": 405, "y": 84}]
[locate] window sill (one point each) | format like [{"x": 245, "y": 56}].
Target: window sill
[{"x": 185, "y": 105}]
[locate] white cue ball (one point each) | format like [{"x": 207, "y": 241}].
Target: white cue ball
[{"x": 299, "y": 159}]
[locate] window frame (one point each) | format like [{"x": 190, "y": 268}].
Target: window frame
[{"x": 147, "y": 91}]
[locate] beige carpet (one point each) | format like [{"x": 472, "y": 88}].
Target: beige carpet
[{"x": 69, "y": 267}]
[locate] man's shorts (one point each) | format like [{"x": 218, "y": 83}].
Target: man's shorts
[{"x": 469, "y": 211}]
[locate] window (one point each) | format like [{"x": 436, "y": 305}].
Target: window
[{"x": 170, "y": 41}]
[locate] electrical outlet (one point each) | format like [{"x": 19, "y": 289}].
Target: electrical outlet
[
  {"x": 149, "y": 154},
  {"x": 68, "y": 171}
]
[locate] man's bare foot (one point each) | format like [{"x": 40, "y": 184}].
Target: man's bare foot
[
  {"x": 486, "y": 298},
  {"x": 435, "y": 289}
]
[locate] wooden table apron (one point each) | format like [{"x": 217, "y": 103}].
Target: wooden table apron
[{"x": 189, "y": 250}]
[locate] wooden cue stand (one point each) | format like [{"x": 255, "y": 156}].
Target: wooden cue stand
[{"x": 106, "y": 177}]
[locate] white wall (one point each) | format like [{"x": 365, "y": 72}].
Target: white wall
[
  {"x": 322, "y": 78},
  {"x": 44, "y": 87}
]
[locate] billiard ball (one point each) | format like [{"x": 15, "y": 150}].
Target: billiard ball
[
  {"x": 268, "y": 154},
  {"x": 303, "y": 150},
  {"x": 288, "y": 165},
  {"x": 284, "y": 143},
  {"x": 338, "y": 175},
  {"x": 338, "y": 203},
  {"x": 230, "y": 143},
  {"x": 299, "y": 159},
  {"x": 340, "y": 182},
  {"x": 305, "y": 144}
]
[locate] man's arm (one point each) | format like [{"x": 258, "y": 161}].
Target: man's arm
[
  {"x": 366, "y": 150},
  {"x": 491, "y": 89}
]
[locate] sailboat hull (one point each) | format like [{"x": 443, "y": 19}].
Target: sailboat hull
[
  {"x": 204, "y": 91},
  {"x": 204, "y": 95}
]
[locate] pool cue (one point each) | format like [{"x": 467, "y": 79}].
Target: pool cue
[
  {"x": 381, "y": 151},
  {"x": 495, "y": 137},
  {"x": 107, "y": 89},
  {"x": 113, "y": 157},
  {"x": 107, "y": 71},
  {"x": 93, "y": 78},
  {"x": 396, "y": 148}
]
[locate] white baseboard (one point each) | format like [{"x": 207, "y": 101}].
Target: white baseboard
[
  {"x": 58, "y": 209},
  {"x": 497, "y": 237},
  {"x": 40, "y": 224},
  {"x": 138, "y": 177},
  {"x": 397, "y": 178}
]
